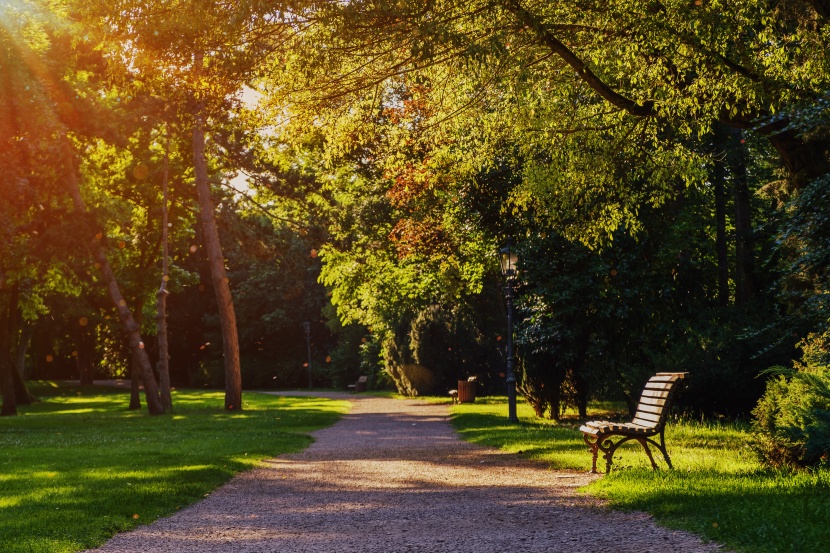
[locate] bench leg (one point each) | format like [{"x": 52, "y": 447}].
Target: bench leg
[
  {"x": 643, "y": 442},
  {"x": 662, "y": 447},
  {"x": 608, "y": 448},
  {"x": 595, "y": 445},
  {"x": 593, "y": 448}
]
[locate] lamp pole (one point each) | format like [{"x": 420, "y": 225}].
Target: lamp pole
[
  {"x": 511, "y": 360},
  {"x": 307, "y": 327},
  {"x": 509, "y": 261}
]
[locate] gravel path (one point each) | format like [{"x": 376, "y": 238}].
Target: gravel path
[{"x": 392, "y": 476}]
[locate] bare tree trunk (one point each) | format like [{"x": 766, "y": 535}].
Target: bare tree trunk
[
  {"x": 221, "y": 287},
  {"x": 131, "y": 328},
  {"x": 161, "y": 295}
]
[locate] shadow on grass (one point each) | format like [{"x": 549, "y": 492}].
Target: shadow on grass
[
  {"x": 717, "y": 489},
  {"x": 758, "y": 511},
  {"x": 74, "y": 469}
]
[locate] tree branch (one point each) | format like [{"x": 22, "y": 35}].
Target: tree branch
[{"x": 555, "y": 45}]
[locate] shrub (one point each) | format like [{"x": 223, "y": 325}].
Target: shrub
[{"x": 791, "y": 424}]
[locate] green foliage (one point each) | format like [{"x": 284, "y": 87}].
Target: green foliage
[
  {"x": 792, "y": 419},
  {"x": 78, "y": 467}
]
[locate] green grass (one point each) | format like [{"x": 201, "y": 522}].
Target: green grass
[
  {"x": 78, "y": 467},
  {"x": 717, "y": 490}
]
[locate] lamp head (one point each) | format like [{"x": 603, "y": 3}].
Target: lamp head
[{"x": 509, "y": 261}]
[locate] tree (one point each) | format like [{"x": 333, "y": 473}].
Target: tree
[
  {"x": 50, "y": 123},
  {"x": 638, "y": 77},
  {"x": 201, "y": 64}
]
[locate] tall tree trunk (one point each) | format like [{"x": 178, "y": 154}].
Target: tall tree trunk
[
  {"x": 135, "y": 383},
  {"x": 216, "y": 261},
  {"x": 721, "y": 248},
  {"x": 135, "y": 363},
  {"x": 161, "y": 295},
  {"x": 744, "y": 243},
  {"x": 22, "y": 348},
  {"x": 85, "y": 342},
  {"x": 21, "y": 393},
  {"x": 131, "y": 328},
  {"x": 9, "y": 407}
]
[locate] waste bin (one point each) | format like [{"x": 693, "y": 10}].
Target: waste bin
[{"x": 466, "y": 391}]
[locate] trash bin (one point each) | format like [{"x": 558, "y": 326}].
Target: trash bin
[{"x": 466, "y": 391}]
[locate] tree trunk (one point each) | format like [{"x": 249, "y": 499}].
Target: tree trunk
[
  {"x": 161, "y": 295},
  {"x": 21, "y": 393},
  {"x": 85, "y": 342},
  {"x": 804, "y": 161},
  {"x": 721, "y": 249},
  {"x": 9, "y": 407},
  {"x": 744, "y": 243},
  {"x": 135, "y": 383},
  {"x": 22, "y": 348},
  {"x": 131, "y": 328},
  {"x": 216, "y": 261}
]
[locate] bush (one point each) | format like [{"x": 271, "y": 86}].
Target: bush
[{"x": 791, "y": 424}]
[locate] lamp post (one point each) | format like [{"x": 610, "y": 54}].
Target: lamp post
[
  {"x": 509, "y": 262},
  {"x": 307, "y": 327}
]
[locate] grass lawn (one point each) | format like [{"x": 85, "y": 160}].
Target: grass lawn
[
  {"x": 717, "y": 490},
  {"x": 78, "y": 467}
]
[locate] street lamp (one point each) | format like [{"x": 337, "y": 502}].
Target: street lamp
[
  {"x": 509, "y": 263},
  {"x": 307, "y": 327}
]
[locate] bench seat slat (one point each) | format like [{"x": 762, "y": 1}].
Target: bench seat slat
[{"x": 620, "y": 428}]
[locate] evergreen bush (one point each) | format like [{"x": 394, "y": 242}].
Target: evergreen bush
[{"x": 791, "y": 424}]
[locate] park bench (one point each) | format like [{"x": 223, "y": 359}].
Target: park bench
[
  {"x": 359, "y": 386},
  {"x": 649, "y": 422}
]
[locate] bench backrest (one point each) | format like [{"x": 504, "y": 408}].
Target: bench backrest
[{"x": 656, "y": 399}]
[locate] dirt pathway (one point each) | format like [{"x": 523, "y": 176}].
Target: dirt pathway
[{"x": 392, "y": 476}]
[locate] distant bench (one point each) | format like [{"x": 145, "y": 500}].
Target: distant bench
[
  {"x": 359, "y": 386},
  {"x": 649, "y": 421}
]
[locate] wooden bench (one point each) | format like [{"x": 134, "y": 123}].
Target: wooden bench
[
  {"x": 649, "y": 421},
  {"x": 359, "y": 386}
]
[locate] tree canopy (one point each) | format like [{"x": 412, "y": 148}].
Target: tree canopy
[{"x": 660, "y": 165}]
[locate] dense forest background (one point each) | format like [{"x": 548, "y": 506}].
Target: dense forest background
[{"x": 185, "y": 183}]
